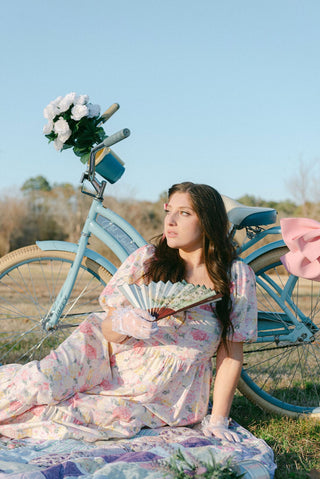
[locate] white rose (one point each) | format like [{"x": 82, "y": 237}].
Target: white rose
[
  {"x": 56, "y": 101},
  {"x": 94, "y": 110},
  {"x": 58, "y": 144},
  {"x": 82, "y": 100},
  {"x": 47, "y": 129},
  {"x": 79, "y": 111},
  {"x": 64, "y": 136},
  {"x": 61, "y": 127},
  {"x": 50, "y": 111},
  {"x": 67, "y": 101}
]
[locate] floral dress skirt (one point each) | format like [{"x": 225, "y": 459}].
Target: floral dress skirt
[{"x": 92, "y": 389}]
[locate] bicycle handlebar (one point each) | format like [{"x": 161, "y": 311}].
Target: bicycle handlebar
[
  {"x": 109, "y": 112},
  {"x": 115, "y": 138},
  {"x": 111, "y": 140}
]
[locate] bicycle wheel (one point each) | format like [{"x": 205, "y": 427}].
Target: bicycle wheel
[
  {"x": 30, "y": 279},
  {"x": 283, "y": 377}
]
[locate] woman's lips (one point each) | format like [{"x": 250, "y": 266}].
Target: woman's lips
[{"x": 171, "y": 234}]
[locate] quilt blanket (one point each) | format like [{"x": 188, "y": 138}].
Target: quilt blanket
[{"x": 140, "y": 457}]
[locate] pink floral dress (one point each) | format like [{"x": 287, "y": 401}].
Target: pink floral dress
[{"x": 91, "y": 389}]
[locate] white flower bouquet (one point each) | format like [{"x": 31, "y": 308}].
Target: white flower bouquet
[{"x": 75, "y": 123}]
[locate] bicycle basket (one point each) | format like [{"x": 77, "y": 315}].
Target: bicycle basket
[{"x": 109, "y": 165}]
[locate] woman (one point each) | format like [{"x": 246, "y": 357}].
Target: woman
[{"x": 121, "y": 370}]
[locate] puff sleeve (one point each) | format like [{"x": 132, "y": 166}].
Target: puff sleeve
[{"x": 243, "y": 295}]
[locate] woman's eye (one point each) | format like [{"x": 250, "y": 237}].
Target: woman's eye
[{"x": 184, "y": 213}]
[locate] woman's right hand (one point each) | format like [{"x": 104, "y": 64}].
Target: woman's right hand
[
  {"x": 218, "y": 426},
  {"x": 134, "y": 322}
]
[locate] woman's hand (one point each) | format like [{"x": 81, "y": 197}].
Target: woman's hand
[
  {"x": 134, "y": 322},
  {"x": 218, "y": 426}
]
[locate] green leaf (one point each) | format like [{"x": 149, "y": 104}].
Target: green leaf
[
  {"x": 80, "y": 151},
  {"x": 51, "y": 136},
  {"x": 85, "y": 158},
  {"x": 66, "y": 146}
]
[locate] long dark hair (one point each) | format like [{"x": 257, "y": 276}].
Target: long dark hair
[{"x": 219, "y": 251}]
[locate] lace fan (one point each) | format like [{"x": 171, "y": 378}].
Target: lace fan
[{"x": 163, "y": 299}]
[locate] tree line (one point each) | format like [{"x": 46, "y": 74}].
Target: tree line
[
  {"x": 58, "y": 212},
  {"x": 43, "y": 211}
]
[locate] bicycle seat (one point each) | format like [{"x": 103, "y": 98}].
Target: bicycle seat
[{"x": 241, "y": 215}]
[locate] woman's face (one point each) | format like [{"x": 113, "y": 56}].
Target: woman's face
[{"x": 182, "y": 227}]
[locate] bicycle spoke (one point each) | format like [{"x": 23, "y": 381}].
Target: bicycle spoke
[{"x": 28, "y": 287}]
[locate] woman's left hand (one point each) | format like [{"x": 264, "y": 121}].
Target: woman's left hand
[{"x": 219, "y": 427}]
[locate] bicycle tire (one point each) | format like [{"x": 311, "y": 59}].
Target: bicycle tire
[
  {"x": 284, "y": 378},
  {"x": 29, "y": 282}
]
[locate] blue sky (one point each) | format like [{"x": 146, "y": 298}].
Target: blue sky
[{"x": 220, "y": 92}]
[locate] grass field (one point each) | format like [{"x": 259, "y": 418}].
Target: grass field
[{"x": 295, "y": 443}]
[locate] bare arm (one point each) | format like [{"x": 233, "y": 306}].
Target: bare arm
[
  {"x": 228, "y": 370},
  {"x": 229, "y": 364}
]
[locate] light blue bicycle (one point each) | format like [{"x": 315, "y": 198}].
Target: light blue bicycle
[{"x": 48, "y": 288}]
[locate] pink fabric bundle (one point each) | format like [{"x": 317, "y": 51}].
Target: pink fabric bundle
[{"x": 302, "y": 236}]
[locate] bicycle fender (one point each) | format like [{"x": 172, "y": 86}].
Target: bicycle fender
[
  {"x": 264, "y": 249},
  {"x": 53, "y": 245}
]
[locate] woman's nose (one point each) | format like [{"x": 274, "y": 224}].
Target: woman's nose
[{"x": 171, "y": 219}]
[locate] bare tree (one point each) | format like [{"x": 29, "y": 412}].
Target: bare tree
[{"x": 305, "y": 188}]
